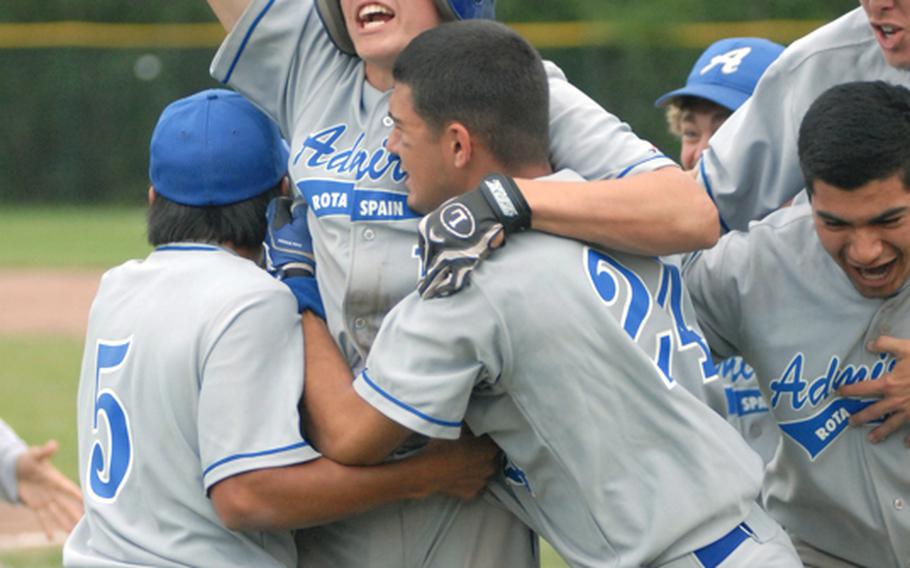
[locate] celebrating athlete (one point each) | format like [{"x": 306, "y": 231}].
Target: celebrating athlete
[
  {"x": 804, "y": 296},
  {"x": 190, "y": 448},
  {"x": 590, "y": 399}
]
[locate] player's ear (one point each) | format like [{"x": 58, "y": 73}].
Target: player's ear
[
  {"x": 460, "y": 145},
  {"x": 152, "y": 194}
]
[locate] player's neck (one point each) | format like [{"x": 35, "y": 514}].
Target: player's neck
[
  {"x": 249, "y": 253},
  {"x": 378, "y": 76},
  {"x": 531, "y": 171},
  {"x": 484, "y": 164}
]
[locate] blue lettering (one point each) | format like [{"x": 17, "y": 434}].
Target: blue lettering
[
  {"x": 821, "y": 387},
  {"x": 751, "y": 404},
  {"x": 735, "y": 369},
  {"x": 850, "y": 374},
  {"x": 601, "y": 269},
  {"x": 379, "y": 208},
  {"x": 325, "y": 155},
  {"x": 605, "y": 273},
  {"x": 319, "y": 146},
  {"x": 514, "y": 475},
  {"x": 340, "y": 161},
  {"x": 743, "y": 402},
  {"x": 791, "y": 383},
  {"x": 671, "y": 285},
  {"x": 816, "y": 433},
  {"x": 879, "y": 367}
]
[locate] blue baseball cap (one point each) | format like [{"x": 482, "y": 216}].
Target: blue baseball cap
[
  {"x": 215, "y": 148},
  {"x": 727, "y": 72}
]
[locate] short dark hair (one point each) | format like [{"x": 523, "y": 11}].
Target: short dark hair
[
  {"x": 485, "y": 76},
  {"x": 243, "y": 223},
  {"x": 856, "y": 133}
]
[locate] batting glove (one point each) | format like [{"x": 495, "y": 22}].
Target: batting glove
[
  {"x": 288, "y": 245},
  {"x": 455, "y": 237},
  {"x": 288, "y": 251}
]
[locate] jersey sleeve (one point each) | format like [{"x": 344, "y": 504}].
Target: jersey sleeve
[
  {"x": 714, "y": 279},
  {"x": 751, "y": 166},
  {"x": 11, "y": 447},
  {"x": 428, "y": 357},
  {"x": 252, "y": 380},
  {"x": 589, "y": 140},
  {"x": 276, "y": 56}
]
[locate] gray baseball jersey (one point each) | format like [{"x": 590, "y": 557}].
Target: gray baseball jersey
[
  {"x": 751, "y": 166},
  {"x": 777, "y": 298},
  {"x": 11, "y": 447},
  {"x": 191, "y": 374},
  {"x": 280, "y": 57},
  {"x": 572, "y": 360},
  {"x": 745, "y": 408}
]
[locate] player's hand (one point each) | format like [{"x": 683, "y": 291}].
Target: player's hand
[
  {"x": 55, "y": 499},
  {"x": 893, "y": 388},
  {"x": 288, "y": 246},
  {"x": 288, "y": 251},
  {"x": 461, "y": 232},
  {"x": 464, "y": 466}
]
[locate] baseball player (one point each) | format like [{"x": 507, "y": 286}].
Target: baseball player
[
  {"x": 804, "y": 296},
  {"x": 189, "y": 441},
  {"x": 750, "y": 167},
  {"x": 28, "y": 477},
  {"x": 721, "y": 80},
  {"x": 329, "y": 94},
  {"x": 608, "y": 457}
]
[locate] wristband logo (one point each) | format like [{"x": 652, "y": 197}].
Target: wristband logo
[
  {"x": 502, "y": 198},
  {"x": 458, "y": 220}
]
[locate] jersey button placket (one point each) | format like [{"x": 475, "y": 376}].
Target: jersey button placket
[
  {"x": 369, "y": 234},
  {"x": 899, "y": 504},
  {"x": 755, "y": 430}
]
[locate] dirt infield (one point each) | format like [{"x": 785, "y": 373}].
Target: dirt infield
[
  {"x": 35, "y": 303},
  {"x": 42, "y": 302}
]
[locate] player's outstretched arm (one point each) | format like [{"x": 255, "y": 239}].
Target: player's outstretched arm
[
  {"x": 55, "y": 499},
  {"x": 893, "y": 388},
  {"x": 654, "y": 213},
  {"x": 228, "y": 11},
  {"x": 321, "y": 491},
  {"x": 339, "y": 423}
]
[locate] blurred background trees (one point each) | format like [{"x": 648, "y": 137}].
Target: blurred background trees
[{"x": 76, "y": 119}]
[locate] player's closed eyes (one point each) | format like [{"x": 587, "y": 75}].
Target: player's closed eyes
[
  {"x": 889, "y": 222},
  {"x": 834, "y": 224}
]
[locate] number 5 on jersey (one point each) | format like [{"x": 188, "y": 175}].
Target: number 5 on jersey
[{"x": 112, "y": 448}]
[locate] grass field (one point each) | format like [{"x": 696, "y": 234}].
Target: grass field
[
  {"x": 40, "y": 375},
  {"x": 77, "y": 237}
]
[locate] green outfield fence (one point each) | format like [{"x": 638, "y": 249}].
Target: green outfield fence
[
  {"x": 82, "y": 88},
  {"x": 544, "y": 35}
]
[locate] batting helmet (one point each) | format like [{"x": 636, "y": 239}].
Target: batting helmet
[{"x": 333, "y": 19}]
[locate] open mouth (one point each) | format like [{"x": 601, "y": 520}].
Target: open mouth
[
  {"x": 888, "y": 35},
  {"x": 875, "y": 274},
  {"x": 373, "y": 15}
]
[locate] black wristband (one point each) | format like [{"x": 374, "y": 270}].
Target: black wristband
[{"x": 507, "y": 202}]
